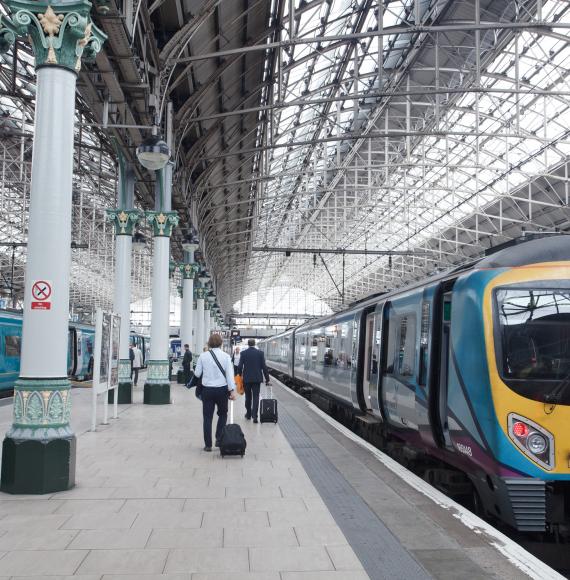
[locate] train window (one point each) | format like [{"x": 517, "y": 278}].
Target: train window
[
  {"x": 12, "y": 346},
  {"x": 535, "y": 336},
  {"x": 424, "y": 334},
  {"x": 407, "y": 346}
]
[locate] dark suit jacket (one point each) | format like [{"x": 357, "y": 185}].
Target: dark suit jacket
[
  {"x": 252, "y": 366},
  {"x": 187, "y": 360}
]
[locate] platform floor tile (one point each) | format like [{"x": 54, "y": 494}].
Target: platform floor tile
[{"x": 150, "y": 504}]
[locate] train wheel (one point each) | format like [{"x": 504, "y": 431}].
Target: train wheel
[{"x": 477, "y": 504}]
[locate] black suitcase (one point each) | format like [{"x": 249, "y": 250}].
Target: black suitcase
[
  {"x": 268, "y": 409},
  {"x": 233, "y": 440}
]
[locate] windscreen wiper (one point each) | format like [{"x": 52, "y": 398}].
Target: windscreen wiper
[{"x": 555, "y": 396}]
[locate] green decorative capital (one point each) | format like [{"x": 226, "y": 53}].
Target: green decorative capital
[
  {"x": 189, "y": 271},
  {"x": 124, "y": 220},
  {"x": 42, "y": 408},
  {"x": 7, "y": 34},
  {"x": 201, "y": 293},
  {"x": 62, "y": 35},
  {"x": 162, "y": 222}
]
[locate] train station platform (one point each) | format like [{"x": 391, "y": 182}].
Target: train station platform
[{"x": 309, "y": 501}]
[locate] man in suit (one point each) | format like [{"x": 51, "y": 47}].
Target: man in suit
[
  {"x": 187, "y": 363},
  {"x": 253, "y": 369}
]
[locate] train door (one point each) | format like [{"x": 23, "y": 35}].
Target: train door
[
  {"x": 441, "y": 361},
  {"x": 368, "y": 359},
  {"x": 374, "y": 365},
  {"x": 71, "y": 352}
]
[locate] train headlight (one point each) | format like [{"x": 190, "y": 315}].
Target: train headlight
[
  {"x": 532, "y": 439},
  {"x": 537, "y": 443}
]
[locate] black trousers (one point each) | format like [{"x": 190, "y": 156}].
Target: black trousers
[
  {"x": 213, "y": 397},
  {"x": 252, "y": 399},
  {"x": 135, "y": 370}
]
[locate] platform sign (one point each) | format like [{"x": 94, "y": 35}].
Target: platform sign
[
  {"x": 106, "y": 362},
  {"x": 41, "y": 295}
]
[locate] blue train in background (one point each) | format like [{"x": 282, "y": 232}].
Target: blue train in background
[
  {"x": 465, "y": 375},
  {"x": 81, "y": 343}
]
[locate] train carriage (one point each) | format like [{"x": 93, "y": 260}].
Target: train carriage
[{"x": 472, "y": 367}]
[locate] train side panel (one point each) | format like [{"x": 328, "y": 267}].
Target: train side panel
[
  {"x": 404, "y": 400},
  {"x": 325, "y": 356},
  {"x": 10, "y": 345}
]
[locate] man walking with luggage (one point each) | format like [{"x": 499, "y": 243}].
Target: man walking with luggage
[
  {"x": 253, "y": 369},
  {"x": 187, "y": 363}
]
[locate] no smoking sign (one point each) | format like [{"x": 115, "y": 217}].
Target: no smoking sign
[{"x": 41, "y": 295}]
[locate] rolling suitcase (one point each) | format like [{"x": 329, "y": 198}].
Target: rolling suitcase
[
  {"x": 268, "y": 407},
  {"x": 232, "y": 441}
]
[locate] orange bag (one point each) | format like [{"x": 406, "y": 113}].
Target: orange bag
[{"x": 239, "y": 384}]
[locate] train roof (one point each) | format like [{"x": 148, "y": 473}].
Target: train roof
[{"x": 528, "y": 250}]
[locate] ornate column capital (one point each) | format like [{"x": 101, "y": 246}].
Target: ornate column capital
[
  {"x": 61, "y": 37},
  {"x": 201, "y": 293},
  {"x": 124, "y": 220},
  {"x": 189, "y": 271},
  {"x": 7, "y": 34},
  {"x": 162, "y": 222}
]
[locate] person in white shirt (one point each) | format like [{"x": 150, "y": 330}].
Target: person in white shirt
[
  {"x": 218, "y": 385},
  {"x": 235, "y": 359},
  {"x": 137, "y": 363}
]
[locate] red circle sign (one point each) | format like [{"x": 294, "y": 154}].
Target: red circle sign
[{"x": 41, "y": 290}]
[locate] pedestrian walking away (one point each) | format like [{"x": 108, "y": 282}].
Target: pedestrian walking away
[
  {"x": 137, "y": 363},
  {"x": 235, "y": 359},
  {"x": 187, "y": 363},
  {"x": 253, "y": 369},
  {"x": 217, "y": 372},
  {"x": 131, "y": 358}
]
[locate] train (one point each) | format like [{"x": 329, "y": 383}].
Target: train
[
  {"x": 81, "y": 339},
  {"x": 467, "y": 372}
]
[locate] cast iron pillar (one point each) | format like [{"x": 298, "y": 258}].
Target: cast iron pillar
[
  {"x": 206, "y": 321},
  {"x": 124, "y": 218},
  {"x": 39, "y": 449},
  {"x": 188, "y": 269},
  {"x": 157, "y": 384},
  {"x": 199, "y": 326}
]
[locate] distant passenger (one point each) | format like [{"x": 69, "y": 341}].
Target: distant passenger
[
  {"x": 235, "y": 360},
  {"x": 187, "y": 363},
  {"x": 216, "y": 369},
  {"x": 137, "y": 364},
  {"x": 131, "y": 357},
  {"x": 252, "y": 368}
]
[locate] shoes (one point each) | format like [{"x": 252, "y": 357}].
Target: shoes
[
  {"x": 207, "y": 449},
  {"x": 248, "y": 416},
  {"x": 255, "y": 421}
]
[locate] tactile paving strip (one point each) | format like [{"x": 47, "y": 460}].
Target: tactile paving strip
[{"x": 381, "y": 554}]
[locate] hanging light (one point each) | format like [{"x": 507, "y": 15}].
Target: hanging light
[{"x": 153, "y": 153}]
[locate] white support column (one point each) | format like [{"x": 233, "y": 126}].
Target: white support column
[
  {"x": 193, "y": 344},
  {"x": 39, "y": 449},
  {"x": 189, "y": 270},
  {"x": 199, "y": 327},
  {"x": 157, "y": 384},
  {"x": 206, "y": 323},
  {"x": 124, "y": 218}
]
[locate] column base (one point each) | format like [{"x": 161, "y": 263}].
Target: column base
[
  {"x": 33, "y": 466},
  {"x": 157, "y": 394},
  {"x": 125, "y": 396}
]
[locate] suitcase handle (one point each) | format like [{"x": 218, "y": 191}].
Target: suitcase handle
[{"x": 231, "y": 412}]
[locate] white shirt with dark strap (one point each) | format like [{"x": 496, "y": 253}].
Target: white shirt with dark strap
[{"x": 211, "y": 374}]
